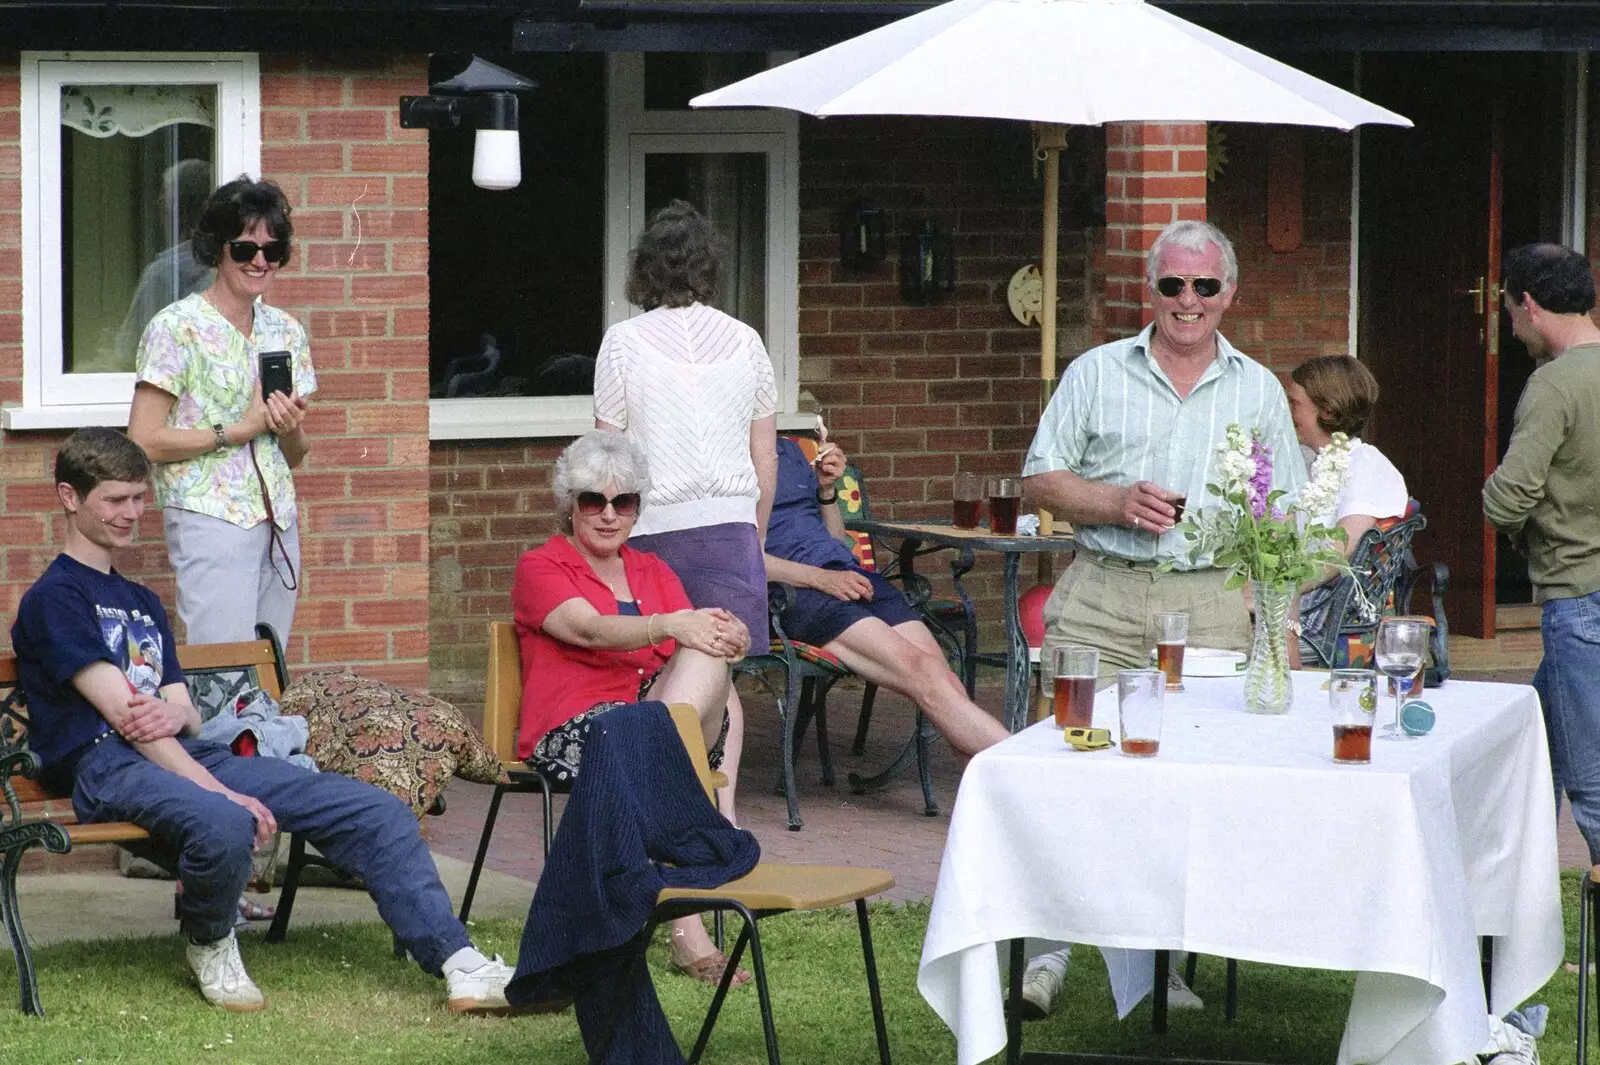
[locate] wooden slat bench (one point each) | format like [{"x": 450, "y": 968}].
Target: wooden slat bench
[{"x": 32, "y": 816}]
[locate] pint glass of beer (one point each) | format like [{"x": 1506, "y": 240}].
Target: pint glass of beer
[
  {"x": 1140, "y": 694},
  {"x": 966, "y": 494},
  {"x": 1075, "y": 670},
  {"x": 1172, "y": 634},
  {"x": 1352, "y": 702}
]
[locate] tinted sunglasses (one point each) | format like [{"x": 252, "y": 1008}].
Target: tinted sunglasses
[
  {"x": 1204, "y": 287},
  {"x": 626, "y": 504},
  {"x": 243, "y": 252}
]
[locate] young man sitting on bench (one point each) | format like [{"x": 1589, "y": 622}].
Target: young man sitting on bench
[{"x": 111, "y": 721}]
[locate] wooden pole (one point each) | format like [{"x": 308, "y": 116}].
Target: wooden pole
[{"x": 1051, "y": 139}]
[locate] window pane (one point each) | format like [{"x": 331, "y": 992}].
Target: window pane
[
  {"x": 731, "y": 190},
  {"x": 136, "y": 167},
  {"x": 672, "y": 79}
]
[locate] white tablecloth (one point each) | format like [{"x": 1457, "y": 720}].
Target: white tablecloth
[{"x": 1243, "y": 839}]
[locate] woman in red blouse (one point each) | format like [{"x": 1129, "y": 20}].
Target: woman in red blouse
[{"x": 600, "y": 625}]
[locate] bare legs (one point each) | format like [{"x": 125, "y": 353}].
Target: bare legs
[
  {"x": 907, "y": 659},
  {"x": 692, "y": 677}
]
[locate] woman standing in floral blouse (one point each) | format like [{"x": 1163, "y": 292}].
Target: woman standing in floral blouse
[{"x": 223, "y": 453}]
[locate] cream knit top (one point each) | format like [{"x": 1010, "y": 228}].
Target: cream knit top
[{"x": 684, "y": 383}]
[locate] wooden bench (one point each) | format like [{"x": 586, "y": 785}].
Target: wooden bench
[{"x": 216, "y": 674}]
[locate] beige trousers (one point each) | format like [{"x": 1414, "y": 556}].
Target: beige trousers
[{"x": 1106, "y": 603}]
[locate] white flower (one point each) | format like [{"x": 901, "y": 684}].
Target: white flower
[
  {"x": 1320, "y": 497},
  {"x": 1234, "y": 465}
]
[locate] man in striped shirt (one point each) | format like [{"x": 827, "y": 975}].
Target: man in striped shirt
[{"x": 1124, "y": 444}]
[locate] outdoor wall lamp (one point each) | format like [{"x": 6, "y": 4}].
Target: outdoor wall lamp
[
  {"x": 861, "y": 236},
  {"x": 927, "y": 264},
  {"x": 479, "y": 97}
]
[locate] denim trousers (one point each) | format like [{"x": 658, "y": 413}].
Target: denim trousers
[
  {"x": 361, "y": 829},
  {"x": 1568, "y": 682}
]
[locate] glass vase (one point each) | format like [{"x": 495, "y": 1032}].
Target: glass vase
[{"x": 1267, "y": 686}]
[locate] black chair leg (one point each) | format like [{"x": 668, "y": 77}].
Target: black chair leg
[
  {"x": 859, "y": 746},
  {"x": 819, "y": 710},
  {"x": 787, "y": 710},
  {"x": 925, "y": 734},
  {"x": 758, "y": 965},
  {"x": 20, "y": 948},
  {"x": 1189, "y": 967},
  {"x": 549, "y": 813},
  {"x": 1486, "y": 957},
  {"x": 483, "y": 852},
  {"x": 878, "y": 1023},
  {"x": 291, "y": 887},
  {"x": 722, "y": 988}
]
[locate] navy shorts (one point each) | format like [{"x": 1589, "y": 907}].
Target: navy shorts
[
  {"x": 719, "y": 565},
  {"x": 818, "y": 618}
]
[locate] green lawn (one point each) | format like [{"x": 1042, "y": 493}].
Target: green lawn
[{"x": 336, "y": 994}]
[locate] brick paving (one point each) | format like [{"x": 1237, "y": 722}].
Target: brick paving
[{"x": 886, "y": 829}]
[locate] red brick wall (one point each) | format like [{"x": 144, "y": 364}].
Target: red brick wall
[
  {"x": 1291, "y": 305},
  {"x": 912, "y": 393},
  {"x": 359, "y": 282}
]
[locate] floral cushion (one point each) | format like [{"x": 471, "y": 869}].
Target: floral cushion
[{"x": 406, "y": 743}]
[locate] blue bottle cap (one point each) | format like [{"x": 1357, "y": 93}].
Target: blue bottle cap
[{"x": 1417, "y": 718}]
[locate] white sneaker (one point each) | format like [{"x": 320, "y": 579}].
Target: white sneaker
[
  {"x": 480, "y": 990},
  {"x": 1041, "y": 986},
  {"x": 1508, "y": 1045},
  {"x": 1179, "y": 995},
  {"x": 223, "y": 981}
]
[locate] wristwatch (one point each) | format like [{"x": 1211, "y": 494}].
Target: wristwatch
[
  {"x": 220, "y": 437},
  {"x": 832, "y": 498}
]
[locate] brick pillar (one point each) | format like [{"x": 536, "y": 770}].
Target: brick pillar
[{"x": 1155, "y": 175}]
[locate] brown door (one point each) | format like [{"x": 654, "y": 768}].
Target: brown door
[{"x": 1428, "y": 303}]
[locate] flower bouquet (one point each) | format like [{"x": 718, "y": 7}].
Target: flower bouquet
[{"x": 1275, "y": 548}]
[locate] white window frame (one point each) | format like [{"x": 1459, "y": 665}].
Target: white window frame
[
  {"x": 51, "y": 398},
  {"x": 631, "y": 132}
]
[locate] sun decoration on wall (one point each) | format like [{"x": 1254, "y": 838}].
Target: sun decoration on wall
[{"x": 1216, "y": 151}]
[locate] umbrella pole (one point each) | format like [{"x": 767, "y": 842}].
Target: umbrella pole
[{"x": 1050, "y": 139}]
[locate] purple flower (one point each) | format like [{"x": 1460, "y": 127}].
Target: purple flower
[{"x": 1261, "y": 480}]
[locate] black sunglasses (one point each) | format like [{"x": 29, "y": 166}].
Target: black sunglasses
[
  {"x": 276, "y": 252},
  {"x": 1204, "y": 287},
  {"x": 626, "y": 504}
]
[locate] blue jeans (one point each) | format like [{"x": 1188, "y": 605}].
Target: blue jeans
[
  {"x": 1568, "y": 682},
  {"x": 358, "y": 827}
]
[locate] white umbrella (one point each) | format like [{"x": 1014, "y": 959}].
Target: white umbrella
[{"x": 1053, "y": 63}]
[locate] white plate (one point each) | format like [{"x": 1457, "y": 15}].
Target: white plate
[{"x": 1212, "y": 662}]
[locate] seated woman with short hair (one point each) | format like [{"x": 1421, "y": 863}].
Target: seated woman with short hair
[
  {"x": 1336, "y": 394},
  {"x": 601, "y": 625}
]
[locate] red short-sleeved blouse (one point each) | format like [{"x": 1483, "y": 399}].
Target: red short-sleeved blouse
[{"x": 560, "y": 680}]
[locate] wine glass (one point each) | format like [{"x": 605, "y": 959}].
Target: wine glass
[{"x": 1401, "y": 644}]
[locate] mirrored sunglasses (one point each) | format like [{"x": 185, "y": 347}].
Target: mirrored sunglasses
[
  {"x": 276, "y": 252},
  {"x": 1204, "y": 287},
  {"x": 626, "y": 504}
]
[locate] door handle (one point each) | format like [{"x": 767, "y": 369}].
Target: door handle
[{"x": 1477, "y": 293}]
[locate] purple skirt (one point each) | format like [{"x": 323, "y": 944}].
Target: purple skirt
[{"x": 719, "y": 565}]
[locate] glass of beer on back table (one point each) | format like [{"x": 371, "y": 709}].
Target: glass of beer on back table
[
  {"x": 1352, "y": 704},
  {"x": 1140, "y": 695},
  {"x": 967, "y": 495},
  {"x": 1172, "y": 635},
  {"x": 1075, "y": 670},
  {"x": 1005, "y": 495}
]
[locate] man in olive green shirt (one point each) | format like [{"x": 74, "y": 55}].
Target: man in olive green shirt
[{"x": 1546, "y": 497}]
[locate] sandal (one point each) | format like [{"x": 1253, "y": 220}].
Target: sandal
[{"x": 709, "y": 969}]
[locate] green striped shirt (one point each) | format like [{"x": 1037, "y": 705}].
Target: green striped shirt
[{"x": 1117, "y": 418}]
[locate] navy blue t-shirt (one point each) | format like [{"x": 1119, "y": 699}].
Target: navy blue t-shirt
[
  {"x": 72, "y": 617},
  {"x": 796, "y": 531}
]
